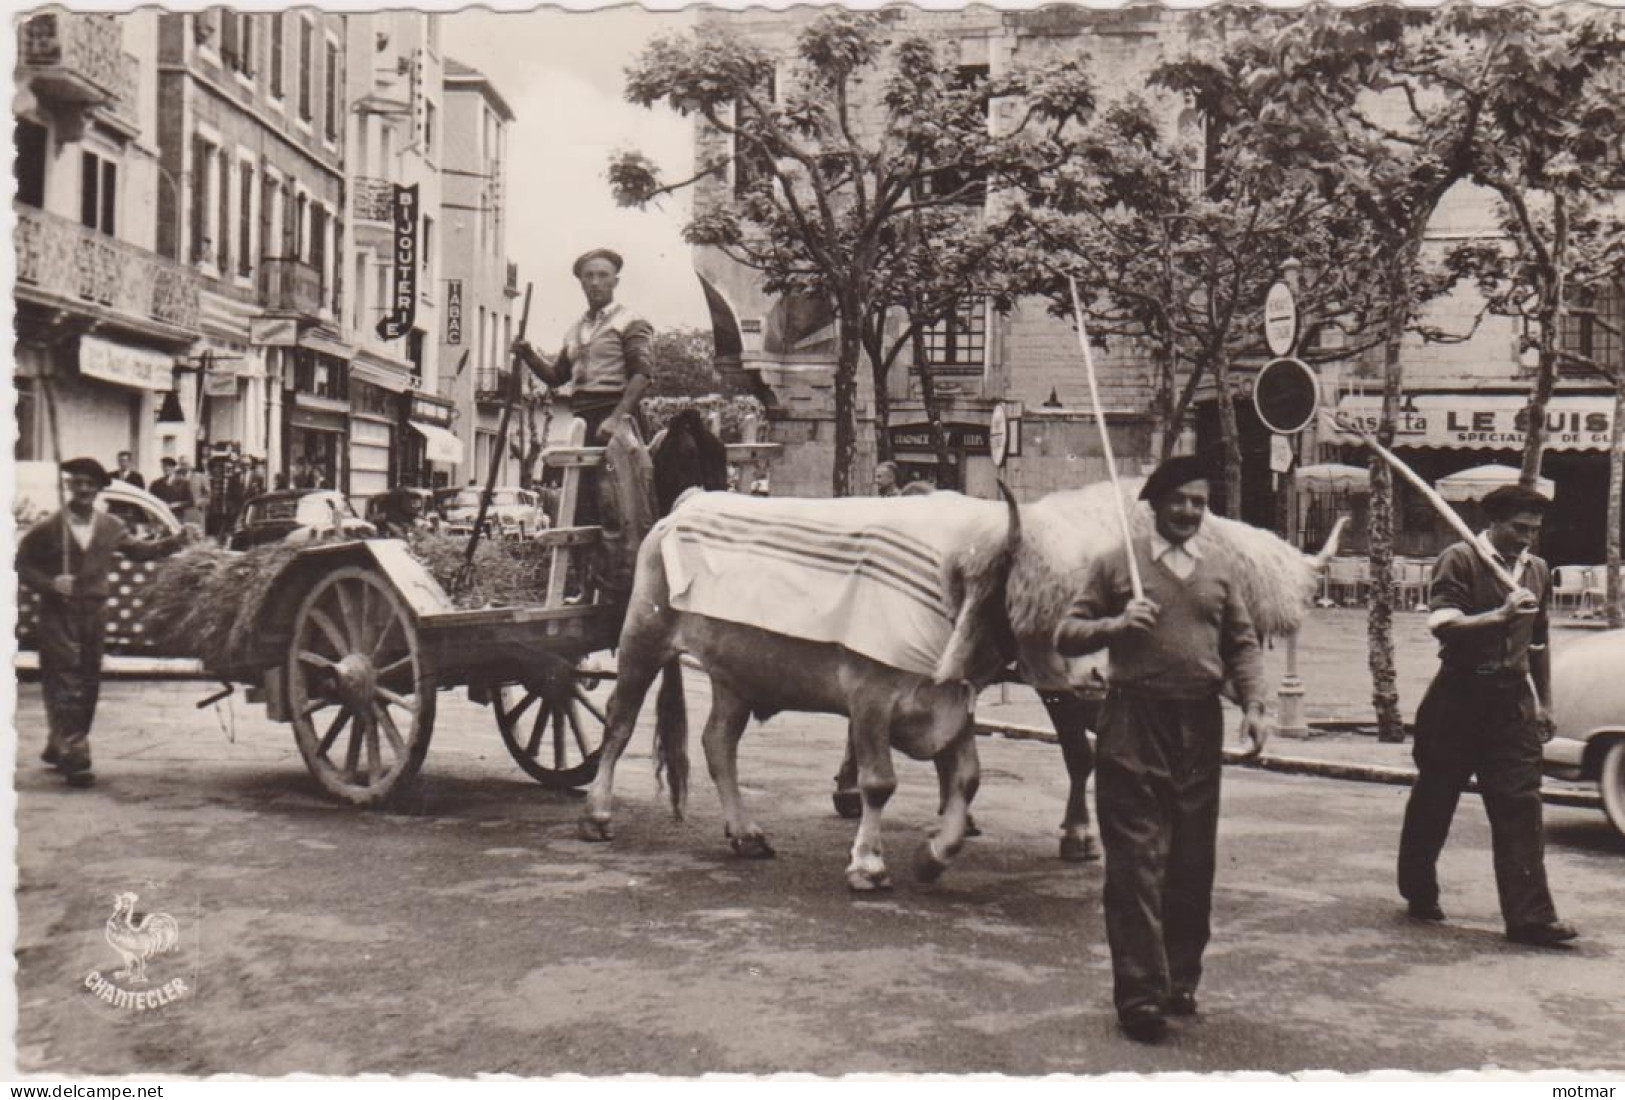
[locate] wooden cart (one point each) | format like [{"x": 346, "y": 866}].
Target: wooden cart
[{"x": 357, "y": 640}]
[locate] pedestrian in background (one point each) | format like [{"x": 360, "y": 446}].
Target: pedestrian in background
[
  {"x": 66, "y": 558},
  {"x": 1161, "y": 741},
  {"x": 192, "y": 504},
  {"x": 163, "y": 486},
  {"x": 128, "y": 473},
  {"x": 886, "y": 480},
  {"x": 1480, "y": 717}
]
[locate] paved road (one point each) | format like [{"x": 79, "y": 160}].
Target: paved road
[{"x": 477, "y": 934}]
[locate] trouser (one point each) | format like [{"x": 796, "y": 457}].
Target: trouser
[
  {"x": 1479, "y": 725},
  {"x": 1157, "y": 799},
  {"x": 70, "y": 638}
]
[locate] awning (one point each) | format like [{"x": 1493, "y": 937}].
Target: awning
[
  {"x": 1475, "y": 421},
  {"x": 383, "y": 375},
  {"x": 439, "y": 444},
  {"x": 1478, "y": 482},
  {"x": 316, "y": 340}
]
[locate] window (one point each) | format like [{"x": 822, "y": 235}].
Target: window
[
  {"x": 358, "y": 314},
  {"x": 958, "y": 344},
  {"x": 276, "y": 54},
  {"x": 428, "y": 129},
  {"x": 245, "y": 221},
  {"x": 414, "y": 352},
  {"x": 245, "y": 44},
  {"x": 223, "y": 222},
  {"x": 227, "y": 21},
  {"x": 1595, "y": 326},
  {"x": 426, "y": 246},
  {"x": 307, "y": 33},
  {"x": 968, "y": 188},
  {"x": 32, "y": 143},
  {"x": 318, "y": 238},
  {"x": 98, "y": 194},
  {"x": 330, "y": 90},
  {"x": 268, "y": 222},
  {"x": 202, "y": 158},
  {"x": 300, "y": 237}
]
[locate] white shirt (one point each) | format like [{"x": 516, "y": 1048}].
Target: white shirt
[
  {"x": 81, "y": 530},
  {"x": 1179, "y": 557}
]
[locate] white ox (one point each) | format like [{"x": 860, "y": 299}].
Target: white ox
[{"x": 1003, "y": 587}]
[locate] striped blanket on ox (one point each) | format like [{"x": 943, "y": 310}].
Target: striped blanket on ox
[{"x": 867, "y": 574}]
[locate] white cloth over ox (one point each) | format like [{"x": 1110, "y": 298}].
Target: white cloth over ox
[{"x": 864, "y": 573}]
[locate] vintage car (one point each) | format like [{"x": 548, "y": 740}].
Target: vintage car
[
  {"x": 514, "y": 512},
  {"x": 144, "y": 514},
  {"x": 428, "y": 506},
  {"x": 1588, "y": 696},
  {"x": 297, "y": 516}
]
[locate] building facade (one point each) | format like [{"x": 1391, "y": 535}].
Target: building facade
[
  {"x": 102, "y": 319},
  {"x": 400, "y": 425},
  {"x": 480, "y": 282}
]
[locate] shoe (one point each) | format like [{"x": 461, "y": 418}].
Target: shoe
[
  {"x": 1079, "y": 849},
  {"x": 1182, "y": 1003},
  {"x": 1549, "y": 934},
  {"x": 1144, "y": 1024},
  {"x": 1424, "y": 910},
  {"x": 81, "y": 779},
  {"x": 51, "y": 757}
]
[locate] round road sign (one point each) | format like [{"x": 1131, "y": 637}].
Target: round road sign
[
  {"x": 998, "y": 436},
  {"x": 1286, "y": 395},
  {"x": 1280, "y": 319}
]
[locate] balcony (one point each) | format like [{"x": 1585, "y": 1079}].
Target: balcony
[
  {"x": 491, "y": 386},
  {"x": 511, "y": 287},
  {"x": 291, "y": 286},
  {"x": 80, "y": 59},
  {"x": 60, "y": 260}
]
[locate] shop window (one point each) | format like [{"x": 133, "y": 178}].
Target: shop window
[
  {"x": 957, "y": 345},
  {"x": 98, "y": 194},
  {"x": 32, "y": 143}
]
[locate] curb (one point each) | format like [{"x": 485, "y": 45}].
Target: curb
[
  {"x": 116, "y": 667},
  {"x": 1293, "y": 765}
]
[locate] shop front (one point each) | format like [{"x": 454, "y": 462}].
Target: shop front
[
  {"x": 317, "y": 429},
  {"x": 430, "y": 451},
  {"x": 917, "y": 460},
  {"x": 1443, "y": 433},
  {"x": 101, "y": 395}
]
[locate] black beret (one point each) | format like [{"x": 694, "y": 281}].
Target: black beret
[
  {"x": 597, "y": 254},
  {"x": 1509, "y": 500},
  {"x": 1175, "y": 472},
  {"x": 87, "y": 467}
]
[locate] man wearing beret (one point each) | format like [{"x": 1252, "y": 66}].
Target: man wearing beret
[
  {"x": 66, "y": 558},
  {"x": 1479, "y": 716},
  {"x": 1161, "y": 740}
]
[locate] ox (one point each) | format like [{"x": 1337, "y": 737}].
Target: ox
[
  {"x": 926, "y": 712},
  {"x": 1062, "y": 534}
]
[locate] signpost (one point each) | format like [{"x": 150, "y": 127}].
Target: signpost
[{"x": 1286, "y": 396}]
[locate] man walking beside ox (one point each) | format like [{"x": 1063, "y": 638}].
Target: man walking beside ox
[
  {"x": 1480, "y": 717},
  {"x": 1161, "y": 740}
]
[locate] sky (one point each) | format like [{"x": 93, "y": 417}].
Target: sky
[{"x": 563, "y": 73}]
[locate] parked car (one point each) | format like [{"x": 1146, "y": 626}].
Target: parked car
[
  {"x": 428, "y": 507},
  {"x": 297, "y": 516},
  {"x": 514, "y": 512},
  {"x": 144, "y": 514},
  {"x": 1588, "y": 696}
]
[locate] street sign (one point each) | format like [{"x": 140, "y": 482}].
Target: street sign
[
  {"x": 1286, "y": 395},
  {"x": 1280, "y": 454},
  {"x": 998, "y": 436},
  {"x": 1280, "y": 319}
]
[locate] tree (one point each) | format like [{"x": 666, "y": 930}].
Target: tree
[
  {"x": 684, "y": 360},
  {"x": 827, "y": 186}
]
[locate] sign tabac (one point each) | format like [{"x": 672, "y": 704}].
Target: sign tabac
[
  {"x": 404, "y": 259},
  {"x": 454, "y": 311}
]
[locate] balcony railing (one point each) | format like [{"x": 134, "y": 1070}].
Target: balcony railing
[
  {"x": 62, "y": 258},
  {"x": 372, "y": 199},
  {"x": 491, "y": 385},
  {"x": 291, "y": 285},
  {"x": 80, "y": 58}
]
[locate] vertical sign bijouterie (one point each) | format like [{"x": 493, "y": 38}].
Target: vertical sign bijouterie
[{"x": 404, "y": 257}]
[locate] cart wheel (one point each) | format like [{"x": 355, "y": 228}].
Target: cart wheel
[
  {"x": 553, "y": 722},
  {"x": 362, "y": 707}
]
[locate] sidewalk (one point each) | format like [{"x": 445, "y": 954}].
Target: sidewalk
[{"x": 1341, "y": 742}]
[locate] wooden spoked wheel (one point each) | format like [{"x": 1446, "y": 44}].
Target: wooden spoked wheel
[
  {"x": 553, "y": 722},
  {"x": 361, "y": 705}
]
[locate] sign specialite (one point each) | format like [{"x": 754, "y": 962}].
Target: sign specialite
[
  {"x": 1468, "y": 421},
  {"x": 404, "y": 258},
  {"x": 1280, "y": 319},
  {"x": 454, "y": 311}
]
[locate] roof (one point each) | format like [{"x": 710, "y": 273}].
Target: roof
[{"x": 458, "y": 75}]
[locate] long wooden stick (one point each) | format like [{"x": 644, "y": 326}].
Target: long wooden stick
[
  {"x": 1440, "y": 505},
  {"x": 498, "y": 452},
  {"x": 1106, "y": 443}
]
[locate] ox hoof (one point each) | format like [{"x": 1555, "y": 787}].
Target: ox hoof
[
  {"x": 864, "y": 881},
  {"x": 1079, "y": 849},
  {"x": 595, "y": 830},
  {"x": 927, "y": 866},
  {"x": 751, "y": 846},
  {"x": 848, "y": 804}
]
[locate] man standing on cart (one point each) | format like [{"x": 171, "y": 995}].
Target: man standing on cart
[{"x": 606, "y": 363}]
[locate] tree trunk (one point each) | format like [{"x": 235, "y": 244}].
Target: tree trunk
[
  {"x": 933, "y": 408},
  {"x": 1550, "y": 315},
  {"x": 1229, "y": 435},
  {"x": 1616, "y": 490},
  {"x": 880, "y": 378},
  {"x": 1380, "y": 624},
  {"x": 846, "y": 402}
]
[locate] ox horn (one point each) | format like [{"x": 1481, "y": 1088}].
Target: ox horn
[
  {"x": 1326, "y": 552},
  {"x": 983, "y": 616}
]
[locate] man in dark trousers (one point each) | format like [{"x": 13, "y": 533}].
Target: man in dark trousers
[
  {"x": 1480, "y": 717},
  {"x": 66, "y": 558},
  {"x": 164, "y": 486},
  {"x": 1161, "y": 741},
  {"x": 128, "y": 473}
]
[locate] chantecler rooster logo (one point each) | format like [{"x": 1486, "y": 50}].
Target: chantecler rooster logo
[{"x": 137, "y": 941}]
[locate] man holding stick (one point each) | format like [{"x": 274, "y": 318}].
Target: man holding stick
[
  {"x": 1480, "y": 717},
  {"x": 1176, "y": 629}
]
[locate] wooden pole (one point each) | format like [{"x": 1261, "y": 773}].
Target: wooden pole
[
  {"x": 1106, "y": 442},
  {"x": 498, "y": 451}
]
